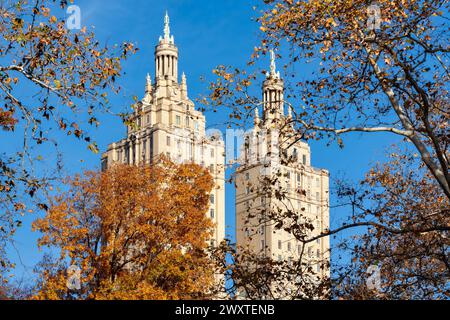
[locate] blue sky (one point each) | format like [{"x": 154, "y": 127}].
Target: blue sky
[{"x": 207, "y": 33}]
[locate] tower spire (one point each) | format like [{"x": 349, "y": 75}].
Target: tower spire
[
  {"x": 167, "y": 37},
  {"x": 166, "y": 27},
  {"x": 273, "y": 66}
]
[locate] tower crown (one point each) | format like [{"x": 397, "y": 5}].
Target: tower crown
[
  {"x": 273, "y": 93},
  {"x": 166, "y": 56}
]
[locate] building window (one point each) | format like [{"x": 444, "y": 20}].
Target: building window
[
  {"x": 187, "y": 122},
  {"x": 295, "y": 154},
  {"x": 178, "y": 120},
  {"x": 191, "y": 152},
  {"x": 318, "y": 253},
  {"x": 298, "y": 178},
  {"x": 212, "y": 153},
  {"x": 304, "y": 159},
  {"x": 247, "y": 176},
  {"x": 212, "y": 213},
  {"x": 263, "y": 245},
  {"x": 317, "y": 183},
  {"x": 317, "y": 196},
  {"x": 299, "y": 249},
  {"x": 168, "y": 141},
  {"x": 105, "y": 164},
  {"x": 212, "y": 199},
  {"x": 144, "y": 150},
  {"x": 310, "y": 252},
  {"x": 280, "y": 258},
  {"x": 289, "y": 246},
  {"x": 280, "y": 245},
  {"x": 195, "y": 125},
  {"x": 262, "y": 229},
  {"x": 247, "y": 190},
  {"x": 211, "y": 168}
]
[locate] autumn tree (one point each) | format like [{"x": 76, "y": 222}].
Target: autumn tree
[
  {"x": 408, "y": 234},
  {"x": 133, "y": 232},
  {"x": 49, "y": 77},
  {"x": 378, "y": 67}
]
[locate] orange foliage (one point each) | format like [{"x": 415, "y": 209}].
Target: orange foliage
[{"x": 134, "y": 232}]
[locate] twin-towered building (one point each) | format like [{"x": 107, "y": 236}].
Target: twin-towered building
[{"x": 166, "y": 122}]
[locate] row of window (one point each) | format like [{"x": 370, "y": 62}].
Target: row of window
[
  {"x": 289, "y": 246},
  {"x": 288, "y": 177},
  {"x": 309, "y": 209},
  {"x": 211, "y": 166},
  {"x": 178, "y": 121},
  {"x": 253, "y": 149},
  {"x": 309, "y": 252},
  {"x": 187, "y": 122},
  {"x": 202, "y": 149},
  {"x": 249, "y": 190},
  {"x": 290, "y": 262}
]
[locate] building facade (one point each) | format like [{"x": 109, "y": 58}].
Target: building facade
[
  {"x": 166, "y": 122},
  {"x": 275, "y": 176}
]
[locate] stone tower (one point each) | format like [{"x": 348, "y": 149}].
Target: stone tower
[
  {"x": 166, "y": 122},
  {"x": 306, "y": 188}
]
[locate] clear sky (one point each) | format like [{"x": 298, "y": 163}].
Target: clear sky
[{"x": 207, "y": 33}]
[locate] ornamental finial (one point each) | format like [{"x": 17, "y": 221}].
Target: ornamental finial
[
  {"x": 167, "y": 27},
  {"x": 167, "y": 37},
  {"x": 149, "y": 83},
  {"x": 256, "y": 120},
  {"x": 273, "y": 66}
]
